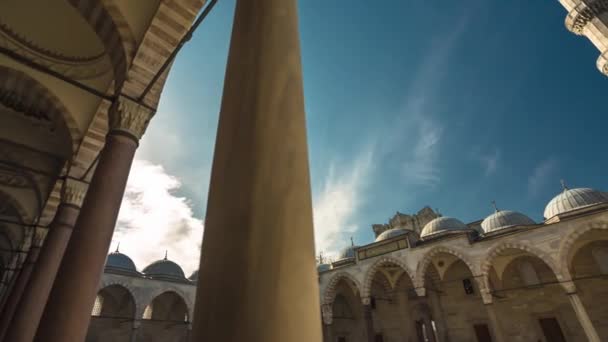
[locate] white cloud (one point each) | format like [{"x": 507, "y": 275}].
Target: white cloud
[
  {"x": 153, "y": 219},
  {"x": 488, "y": 160},
  {"x": 540, "y": 175},
  {"x": 337, "y": 203}
]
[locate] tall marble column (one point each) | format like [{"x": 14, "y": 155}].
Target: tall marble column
[
  {"x": 257, "y": 254},
  {"x": 68, "y": 311},
  {"x": 27, "y": 315},
  {"x": 583, "y": 317},
  {"x": 328, "y": 318},
  {"x": 135, "y": 329}
]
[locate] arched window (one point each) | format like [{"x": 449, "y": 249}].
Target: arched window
[{"x": 528, "y": 274}]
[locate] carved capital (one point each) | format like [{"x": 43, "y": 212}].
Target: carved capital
[
  {"x": 327, "y": 313},
  {"x": 569, "y": 286},
  {"x": 74, "y": 192},
  {"x": 129, "y": 117},
  {"x": 420, "y": 291},
  {"x": 40, "y": 236}
]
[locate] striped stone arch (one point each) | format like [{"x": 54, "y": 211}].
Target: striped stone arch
[
  {"x": 132, "y": 291},
  {"x": 419, "y": 281},
  {"x": 369, "y": 276},
  {"x": 150, "y": 298},
  {"x": 24, "y": 91},
  {"x": 111, "y": 31},
  {"x": 330, "y": 290},
  {"x": 128, "y": 38},
  {"x": 568, "y": 242},
  {"x": 496, "y": 250}
]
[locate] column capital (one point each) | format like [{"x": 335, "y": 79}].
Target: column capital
[
  {"x": 327, "y": 314},
  {"x": 39, "y": 237},
  {"x": 74, "y": 192},
  {"x": 366, "y": 300},
  {"x": 128, "y": 116},
  {"x": 569, "y": 286}
]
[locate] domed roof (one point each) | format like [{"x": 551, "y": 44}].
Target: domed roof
[
  {"x": 194, "y": 276},
  {"x": 164, "y": 269},
  {"x": 571, "y": 199},
  {"x": 347, "y": 253},
  {"x": 117, "y": 261},
  {"x": 323, "y": 267},
  {"x": 442, "y": 224},
  {"x": 391, "y": 233},
  {"x": 502, "y": 219}
]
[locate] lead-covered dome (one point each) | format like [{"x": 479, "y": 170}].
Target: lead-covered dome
[
  {"x": 323, "y": 267},
  {"x": 441, "y": 225},
  {"x": 164, "y": 270},
  {"x": 120, "y": 262},
  {"x": 391, "y": 233},
  {"x": 571, "y": 199},
  {"x": 502, "y": 219},
  {"x": 347, "y": 253}
]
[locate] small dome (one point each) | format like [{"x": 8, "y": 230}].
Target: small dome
[
  {"x": 442, "y": 224},
  {"x": 164, "y": 270},
  {"x": 391, "y": 233},
  {"x": 571, "y": 199},
  {"x": 194, "y": 276},
  {"x": 117, "y": 261},
  {"x": 502, "y": 219},
  {"x": 347, "y": 253},
  {"x": 323, "y": 268}
]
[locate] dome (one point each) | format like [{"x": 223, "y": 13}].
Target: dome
[
  {"x": 571, "y": 199},
  {"x": 391, "y": 233},
  {"x": 117, "y": 261},
  {"x": 442, "y": 224},
  {"x": 502, "y": 219},
  {"x": 194, "y": 276},
  {"x": 164, "y": 269},
  {"x": 347, "y": 253},
  {"x": 323, "y": 267}
]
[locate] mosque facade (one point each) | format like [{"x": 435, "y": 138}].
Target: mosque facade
[{"x": 431, "y": 278}]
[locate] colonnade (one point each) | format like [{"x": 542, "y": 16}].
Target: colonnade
[{"x": 258, "y": 253}]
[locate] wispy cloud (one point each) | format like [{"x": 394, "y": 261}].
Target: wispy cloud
[
  {"x": 540, "y": 175},
  {"x": 153, "y": 219},
  {"x": 336, "y": 204},
  {"x": 488, "y": 160}
]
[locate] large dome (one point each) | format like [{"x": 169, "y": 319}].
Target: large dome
[
  {"x": 117, "y": 261},
  {"x": 502, "y": 219},
  {"x": 441, "y": 225},
  {"x": 391, "y": 233},
  {"x": 347, "y": 253},
  {"x": 165, "y": 270},
  {"x": 571, "y": 199}
]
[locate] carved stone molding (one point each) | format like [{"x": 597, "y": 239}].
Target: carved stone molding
[
  {"x": 583, "y": 13},
  {"x": 602, "y": 63},
  {"x": 129, "y": 117},
  {"x": 74, "y": 192}
]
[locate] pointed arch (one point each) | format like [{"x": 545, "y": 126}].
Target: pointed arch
[
  {"x": 24, "y": 93},
  {"x": 428, "y": 258},
  {"x": 330, "y": 289},
  {"x": 160, "y": 291},
  {"x": 568, "y": 243},
  {"x": 369, "y": 277},
  {"x": 498, "y": 249}
]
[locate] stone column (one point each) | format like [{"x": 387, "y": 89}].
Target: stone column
[
  {"x": 27, "y": 316},
  {"x": 134, "y": 330},
  {"x": 22, "y": 280},
  {"x": 68, "y": 311},
  {"x": 494, "y": 323},
  {"x": 259, "y": 215},
  {"x": 430, "y": 333},
  {"x": 583, "y": 317},
  {"x": 369, "y": 322},
  {"x": 327, "y": 315}
]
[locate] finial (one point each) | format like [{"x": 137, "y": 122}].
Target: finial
[
  {"x": 352, "y": 242},
  {"x": 564, "y": 187},
  {"x": 117, "y": 247},
  {"x": 495, "y": 207},
  {"x": 166, "y": 254},
  {"x": 437, "y": 212}
]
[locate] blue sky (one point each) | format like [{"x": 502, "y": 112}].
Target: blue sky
[{"x": 440, "y": 103}]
